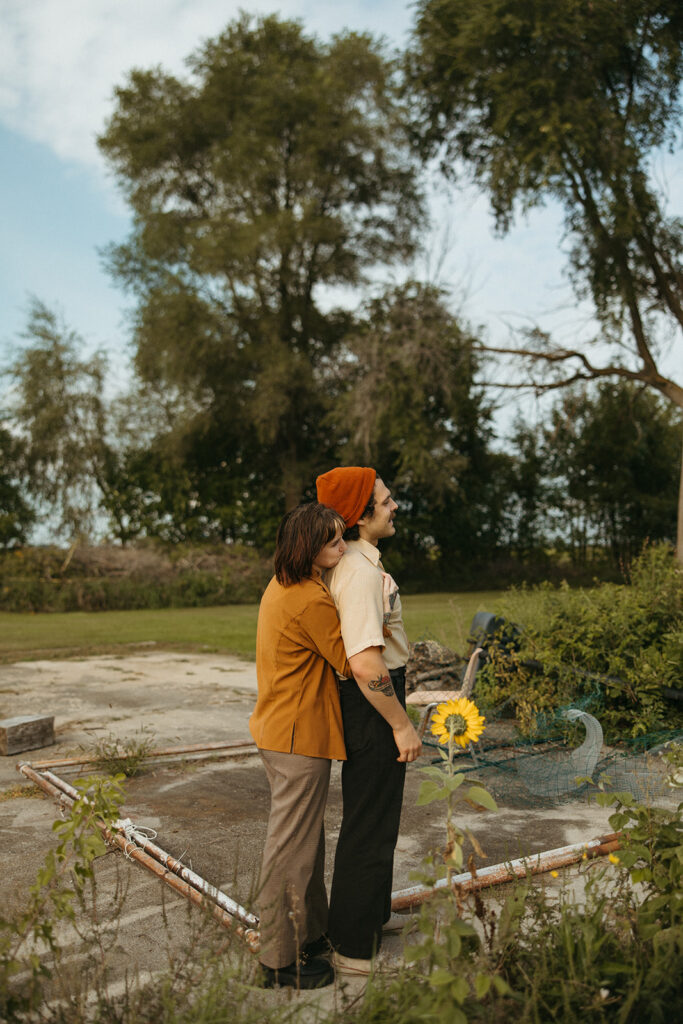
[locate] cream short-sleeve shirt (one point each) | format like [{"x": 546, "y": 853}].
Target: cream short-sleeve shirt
[{"x": 356, "y": 587}]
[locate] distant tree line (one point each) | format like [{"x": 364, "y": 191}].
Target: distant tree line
[
  {"x": 284, "y": 169},
  {"x": 591, "y": 483}
]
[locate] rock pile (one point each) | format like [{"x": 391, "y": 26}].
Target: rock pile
[{"x": 432, "y": 666}]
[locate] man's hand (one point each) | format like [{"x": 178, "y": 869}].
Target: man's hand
[
  {"x": 408, "y": 743},
  {"x": 374, "y": 682}
]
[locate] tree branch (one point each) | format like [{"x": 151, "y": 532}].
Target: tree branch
[{"x": 665, "y": 385}]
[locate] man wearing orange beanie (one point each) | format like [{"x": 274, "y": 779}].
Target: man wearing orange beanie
[{"x": 378, "y": 735}]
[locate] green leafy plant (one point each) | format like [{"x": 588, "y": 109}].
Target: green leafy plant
[
  {"x": 29, "y": 950},
  {"x": 652, "y": 852},
  {"x": 445, "y": 956},
  {"x": 611, "y": 953},
  {"x": 459, "y": 722},
  {"x": 615, "y": 953}
]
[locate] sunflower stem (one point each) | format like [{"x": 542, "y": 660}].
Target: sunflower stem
[{"x": 449, "y": 802}]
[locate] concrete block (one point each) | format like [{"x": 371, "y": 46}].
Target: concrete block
[{"x": 26, "y": 732}]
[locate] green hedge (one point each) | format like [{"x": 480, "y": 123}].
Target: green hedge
[{"x": 108, "y": 579}]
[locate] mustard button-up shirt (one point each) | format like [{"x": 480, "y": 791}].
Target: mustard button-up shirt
[{"x": 298, "y": 647}]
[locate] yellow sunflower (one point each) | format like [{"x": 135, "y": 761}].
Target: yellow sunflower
[{"x": 460, "y": 719}]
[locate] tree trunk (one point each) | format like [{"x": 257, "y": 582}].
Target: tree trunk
[
  {"x": 679, "y": 532},
  {"x": 292, "y": 485}
]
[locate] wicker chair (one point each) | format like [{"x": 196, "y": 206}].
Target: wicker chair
[{"x": 428, "y": 699}]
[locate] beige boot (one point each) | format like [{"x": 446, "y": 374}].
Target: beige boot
[{"x": 352, "y": 967}]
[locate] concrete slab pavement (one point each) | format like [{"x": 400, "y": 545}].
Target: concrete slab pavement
[{"x": 212, "y": 815}]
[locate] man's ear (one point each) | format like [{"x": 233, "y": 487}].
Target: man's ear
[{"x": 364, "y": 520}]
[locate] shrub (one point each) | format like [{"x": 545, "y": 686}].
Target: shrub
[
  {"x": 612, "y": 648},
  {"x": 111, "y": 578}
]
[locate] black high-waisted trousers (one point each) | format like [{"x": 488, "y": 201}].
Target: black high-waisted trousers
[{"x": 372, "y": 793}]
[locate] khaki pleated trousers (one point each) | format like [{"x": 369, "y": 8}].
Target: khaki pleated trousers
[{"x": 292, "y": 896}]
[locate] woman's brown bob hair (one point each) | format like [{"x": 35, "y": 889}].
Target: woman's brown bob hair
[{"x": 300, "y": 536}]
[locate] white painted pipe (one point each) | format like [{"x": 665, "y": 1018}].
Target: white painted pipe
[
  {"x": 496, "y": 874},
  {"x": 131, "y": 833}
]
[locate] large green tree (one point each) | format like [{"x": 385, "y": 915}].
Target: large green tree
[
  {"x": 611, "y": 460},
  {"x": 72, "y": 451},
  {"x": 409, "y": 404},
  {"x": 276, "y": 170},
  {"x": 570, "y": 99},
  {"x": 527, "y": 510},
  {"x": 57, "y": 408},
  {"x": 16, "y": 514}
]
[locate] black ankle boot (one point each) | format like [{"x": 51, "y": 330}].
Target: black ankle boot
[
  {"x": 308, "y": 972},
  {"x": 319, "y": 947}
]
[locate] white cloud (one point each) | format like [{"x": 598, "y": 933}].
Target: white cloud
[{"x": 61, "y": 59}]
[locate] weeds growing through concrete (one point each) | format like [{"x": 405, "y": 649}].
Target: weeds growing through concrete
[
  {"x": 122, "y": 756},
  {"x": 21, "y": 790},
  {"x": 606, "y": 947},
  {"x": 611, "y": 953}
]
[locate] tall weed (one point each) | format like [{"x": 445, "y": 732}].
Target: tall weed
[{"x": 29, "y": 950}]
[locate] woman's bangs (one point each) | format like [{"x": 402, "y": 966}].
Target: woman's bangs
[{"x": 335, "y": 525}]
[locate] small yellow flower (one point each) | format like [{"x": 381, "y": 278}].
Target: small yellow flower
[
  {"x": 613, "y": 859},
  {"x": 460, "y": 719},
  {"x": 554, "y": 874}
]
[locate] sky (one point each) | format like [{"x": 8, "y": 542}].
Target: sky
[{"x": 60, "y": 61}]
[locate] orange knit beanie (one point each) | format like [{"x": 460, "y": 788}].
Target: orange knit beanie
[{"x": 346, "y": 489}]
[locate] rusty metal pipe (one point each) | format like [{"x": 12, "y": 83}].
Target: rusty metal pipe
[
  {"x": 497, "y": 874},
  {"x": 49, "y": 785},
  {"x": 217, "y": 896},
  {"x": 133, "y": 835},
  {"x": 180, "y": 885},
  {"x": 26, "y": 769},
  {"x": 235, "y": 746}
]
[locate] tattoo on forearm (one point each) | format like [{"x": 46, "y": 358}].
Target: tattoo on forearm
[{"x": 383, "y": 685}]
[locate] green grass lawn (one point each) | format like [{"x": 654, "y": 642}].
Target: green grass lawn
[
  {"x": 230, "y": 628},
  {"x": 446, "y": 617}
]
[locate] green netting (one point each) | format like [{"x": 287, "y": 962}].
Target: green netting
[{"x": 566, "y": 746}]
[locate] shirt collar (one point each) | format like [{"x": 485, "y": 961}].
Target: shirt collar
[
  {"x": 317, "y": 578},
  {"x": 371, "y": 551}
]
